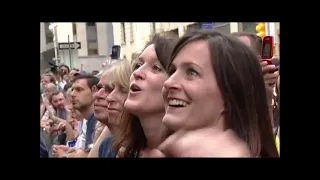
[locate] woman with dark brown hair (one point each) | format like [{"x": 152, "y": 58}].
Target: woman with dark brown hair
[
  {"x": 215, "y": 100},
  {"x": 141, "y": 125}
]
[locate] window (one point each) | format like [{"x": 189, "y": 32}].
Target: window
[
  {"x": 249, "y": 27},
  {"x": 222, "y": 27},
  {"x": 49, "y": 38},
  {"x": 92, "y": 52},
  {"x": 92, "y": 39},
  {"x": 193, "y": 27},
  {"x": 123, "y": 33},
  {"x": 48, "y": 33}
]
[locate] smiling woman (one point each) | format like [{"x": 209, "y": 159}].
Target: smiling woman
[{"x": 217, "y": 79}]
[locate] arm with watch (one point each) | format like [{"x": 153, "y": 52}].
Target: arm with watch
[{"x": 79, "y": 153}]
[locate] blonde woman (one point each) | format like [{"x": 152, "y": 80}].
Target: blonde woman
[{"x": 118, "y": 88}]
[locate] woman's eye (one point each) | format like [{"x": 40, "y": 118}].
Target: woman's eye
[
  {"x": 157, "y": 68},
  {"x": 99, "y": 86},
  {"x": 192, "y": 73},
  {"x": 136, "y": 66},
  {"x": 108, "y": 89}
]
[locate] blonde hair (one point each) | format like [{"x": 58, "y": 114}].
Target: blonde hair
[
  {"x": 121, "y": 72},
  {"x": 69, "y": 93}
]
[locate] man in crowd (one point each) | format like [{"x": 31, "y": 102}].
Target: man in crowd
[
  {"x": 83, "y": 89},
  {"x": 53, "y": 120},
  {"x": 58, "y": 100}
]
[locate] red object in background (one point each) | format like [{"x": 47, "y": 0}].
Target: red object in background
[{"x": 267, "y": 48}]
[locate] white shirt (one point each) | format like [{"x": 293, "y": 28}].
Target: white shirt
[
  {"x": 81, "y": 140},
  {"x": 62, "y": 84}
]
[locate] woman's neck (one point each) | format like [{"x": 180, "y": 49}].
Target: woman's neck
[
  {"x": 113, "y": 129},
  {"x": 154, "y": 130}
]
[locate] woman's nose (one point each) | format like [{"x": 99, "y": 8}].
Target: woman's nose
[
  {"x": 139, "y": 74},
  {"x": 172, "y": 82}
]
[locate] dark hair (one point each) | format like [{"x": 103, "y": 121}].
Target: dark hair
[
  {"x": 91, "y": 80},
  {"x": 63, "y": 65},
  {"x": 163, "y": 45},
  {"x": 54, "y": 70},
  {"x": 94, "y": 72},
  {"x": 61, "y": 72},
  {"x": 239, "y": 78},
  {"x": 255, "y": 41},
  {"x": 132, "y": 134},
  {"x": 67, "y": 86},
  {"x": 76, "y": 69}
]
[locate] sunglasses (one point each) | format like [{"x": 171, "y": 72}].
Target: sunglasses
[{"x": 106, "y": 88}]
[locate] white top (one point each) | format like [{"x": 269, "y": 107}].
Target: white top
[
  {"x": 82, "y": 130},
  {"x": 62, "y": 84}
]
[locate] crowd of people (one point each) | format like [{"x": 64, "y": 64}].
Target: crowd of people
[{"x": 205, "y": 94}]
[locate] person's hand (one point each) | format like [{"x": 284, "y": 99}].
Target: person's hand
[
  {"x": 270, "y": 79},
  {"x": 46, "y": 103},
  {"x": 42, "y": 107},
  {"x": 58, "y": 152},
  {"x": 54, "y": 130},
  {"x": 62, "y": 147},
  {"x": 61, "y": 125},
  {"x": 120, "y": 153},
  {"x": 51, "y": 115},
  {"x": 69, "y": 118},
  {"x": 206, "y": 142},
  {"x": 42, "y": 110},
  {"x": 68, "y": 106},
  {"x": 80, "y": 153}
]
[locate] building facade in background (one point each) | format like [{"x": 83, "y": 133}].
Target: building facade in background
[
  {"x": 96, "y": 41},
  {"x": 132, "y": 37},
  {"x": 46, "y": 46}
]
